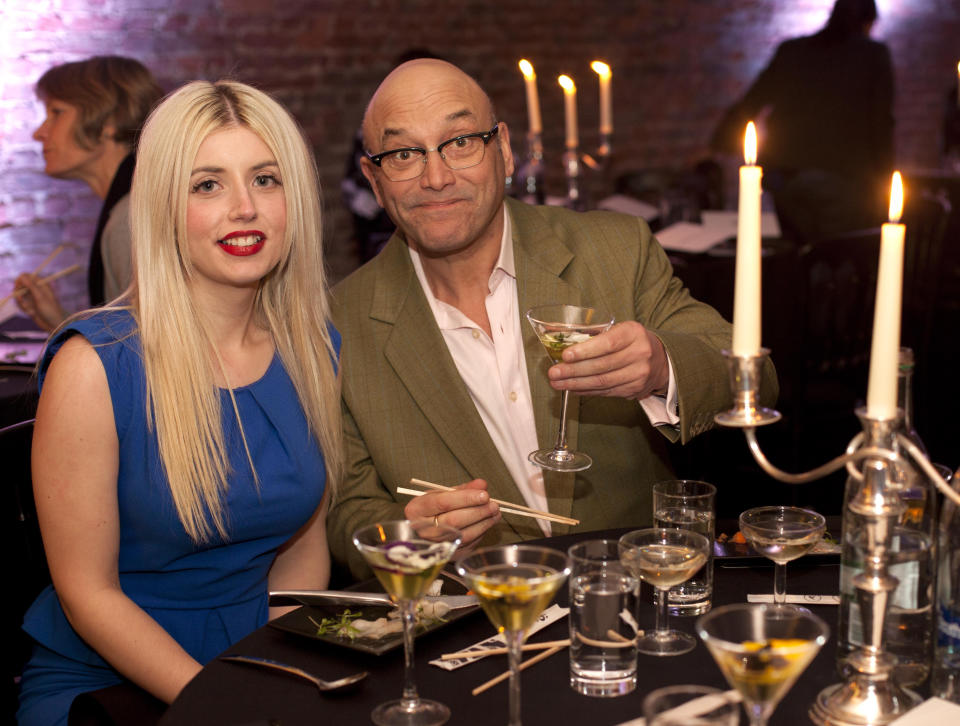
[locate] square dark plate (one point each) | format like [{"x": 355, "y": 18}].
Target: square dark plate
[{"x": 298, "y": 621}]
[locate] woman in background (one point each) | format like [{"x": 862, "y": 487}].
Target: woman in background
[
  {"x": 95, "y": 109},
  {"x": 188, "y": 437}
]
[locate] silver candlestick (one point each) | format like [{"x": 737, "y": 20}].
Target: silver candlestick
[
  {"x": 532, "y": 171},
  {"x": 870, "y": 696},
  {"x": 571, "y": 166}
]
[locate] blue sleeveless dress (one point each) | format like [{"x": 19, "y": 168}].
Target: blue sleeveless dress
[{"x": 206, "y": 597}]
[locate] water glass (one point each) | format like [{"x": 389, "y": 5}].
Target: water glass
[
  {"x": 603, "y": 625},
  {"x": 688, "y": 504},
  {"x": 685, "y": 705}
]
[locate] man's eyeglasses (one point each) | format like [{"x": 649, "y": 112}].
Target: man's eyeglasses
[{"x": 460, "y": 152}]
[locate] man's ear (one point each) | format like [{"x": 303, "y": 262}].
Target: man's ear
[
  {"x": 505, "y": 149},
  {"x": 366, "y": 166}
]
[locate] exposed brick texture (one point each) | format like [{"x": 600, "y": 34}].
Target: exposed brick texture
[{"x": 676, "y": 66}]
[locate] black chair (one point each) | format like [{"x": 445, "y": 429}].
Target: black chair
[
  {"x": 26, "y": 560},
  {"x": 926, "y": 215},
  {"x": 829, "y": 365}
]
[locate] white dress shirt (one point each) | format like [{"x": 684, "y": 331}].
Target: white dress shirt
[{"x": 495, "y": 372}]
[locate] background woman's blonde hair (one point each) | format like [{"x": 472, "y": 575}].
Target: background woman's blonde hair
[{"x": 179, "y": 355}]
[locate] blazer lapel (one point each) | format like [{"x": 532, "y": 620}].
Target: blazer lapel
[
  {"x": 418, "y": 354},
  {"x": 540, "y": 259}
]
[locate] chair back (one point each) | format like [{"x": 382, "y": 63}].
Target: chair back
[
  {"x": 27, "y": 563},
  {"x": 829, "y": 368},
  {"x": 925, "y": 215}
]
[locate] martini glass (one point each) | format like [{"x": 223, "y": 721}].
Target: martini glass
[
  {"x": 558, "y": 327},
  {"x": 782, "y": 534},
  {"x": 406, "y": 556},
  {"x": 514, "y": 584},
  {"x": 761, "y": 651},
  {"x": 664, "y": 558}
]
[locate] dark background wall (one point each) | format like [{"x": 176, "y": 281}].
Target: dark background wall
[{"x": 676, "y": 65}]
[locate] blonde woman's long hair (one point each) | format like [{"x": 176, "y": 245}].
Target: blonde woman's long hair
[{"x": 180, "y": 359}]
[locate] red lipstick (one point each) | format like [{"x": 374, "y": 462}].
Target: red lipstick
[{"x": 245, "y": 248}]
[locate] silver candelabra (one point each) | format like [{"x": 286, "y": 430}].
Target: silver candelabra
[{"x": 870, "y": 696}]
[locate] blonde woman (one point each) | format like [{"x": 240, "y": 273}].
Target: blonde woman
[{"x": 187, "y": 443}]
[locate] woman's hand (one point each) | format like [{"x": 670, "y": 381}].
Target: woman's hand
[{"x": 39, "y": 301}]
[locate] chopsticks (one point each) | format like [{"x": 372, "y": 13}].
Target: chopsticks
[
  {"x": 511, "y": 508},
  {"x": 526, "y": 664},
  {"x": 49, "y": 278},
  {"x": 503, "y": 651},
  {"x": 552, "y": 647}
]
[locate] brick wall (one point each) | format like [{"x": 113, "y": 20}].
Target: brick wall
[{"x": 676, "y": 66}]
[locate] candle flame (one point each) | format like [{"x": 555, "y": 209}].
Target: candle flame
[
  {"x": 750, "y": 145},
  {"x": 601, "y": 68},
  {"x": 896, "y": 197},
  {"x": 567, "y": 83},
  {"x": 526, "y": 68}
]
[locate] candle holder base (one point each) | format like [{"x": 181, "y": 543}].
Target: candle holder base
[
  {"x": 862, "y": 702},
  {"x": 745, "y": 371}
]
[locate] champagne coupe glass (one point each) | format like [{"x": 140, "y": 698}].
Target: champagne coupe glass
[
  {"x": 406, "y": 556},
  {"x": 664, "y": 558},
  {"x": 559, "y": 327},
  {"x": 514, "y": 584},
  {"x": 782, "y": 534},
  {"x": 761, "y": 650}
]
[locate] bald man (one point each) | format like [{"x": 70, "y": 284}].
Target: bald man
[{"x": 442, "y": 378}]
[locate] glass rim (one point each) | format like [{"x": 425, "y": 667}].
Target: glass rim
[
  {"x": 623, "y": 538},
  {"x": 461, "y": 566},
  {"x": 817, "y": 517},
  {"x": 428, "y": 521},
  {"x": 717, "y": 612},
  {"x": 604, "y": 317},
  {"x": 612, "y": 546},
  {"x": 709, "y": 489}
]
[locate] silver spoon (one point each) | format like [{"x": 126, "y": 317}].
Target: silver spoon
[{"x": 318, "y": 682}]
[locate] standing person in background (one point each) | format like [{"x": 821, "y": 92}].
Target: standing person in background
[
  {"x": 95, "y": 109},
  {"x": 827, "y": 150},
  {"x": 188, "y": 437}
]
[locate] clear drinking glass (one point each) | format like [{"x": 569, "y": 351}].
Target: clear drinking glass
[
  {"x": 514, "y": 584},
  {"x": 761, "y": 650},
  {"x": 558, "y": 327},
  {"x": 664, "y": 558},
  {"x": 691, "y": 705},
  {"x": 406, "y": 556},
  {"x": 688, "y": 504},
  {"x": 603, "y": 620},
  {"x": 782, "y": 534}
]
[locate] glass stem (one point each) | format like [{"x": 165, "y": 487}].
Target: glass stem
[
  {"x": 561, "y": 444},
  {"x": 410, "y": 700},
  {"x": 662, "y": 614},
  {"x": 514, "y": 655},
  {"x": 780, "y": 583}
]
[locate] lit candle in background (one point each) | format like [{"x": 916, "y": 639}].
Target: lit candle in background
[
  {"x": 533, "y": 100},
  {"x": 746, "y": 292},
  {"x": 885, "y": 347},
  {"x": 570, "y": 108},
  {"x": 606, "y": 107}
]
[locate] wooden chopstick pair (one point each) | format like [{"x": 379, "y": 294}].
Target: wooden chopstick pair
[
  {"x": 19, "y": 292},
  {"x": 552, "y": 647},
  {"x": 511, "y": 508},
  {"x": 50, "y": 278}
]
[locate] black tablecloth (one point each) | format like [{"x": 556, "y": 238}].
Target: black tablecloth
[{"x": 229, "y": 693}]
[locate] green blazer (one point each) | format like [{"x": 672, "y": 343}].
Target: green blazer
[{"x": 408, "y": 414}]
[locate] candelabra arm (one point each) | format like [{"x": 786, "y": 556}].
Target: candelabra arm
[
  {"x": 851, "y": 457},
  {"x": 928, "y": 468}
]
